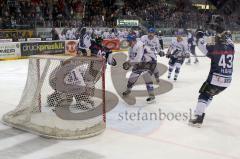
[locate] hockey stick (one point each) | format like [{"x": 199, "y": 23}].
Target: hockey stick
[{"x": 199, "y": 56}]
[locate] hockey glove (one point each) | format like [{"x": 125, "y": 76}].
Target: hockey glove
[
  {"x": 161, "y": 53},
  {"x": 168, "y": 56},
  {"x": 114, "y": 62},
  {"x": 126, "y": 65}
]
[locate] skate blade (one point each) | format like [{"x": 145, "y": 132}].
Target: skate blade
[
  {"x": 195, "y": 125},
  {"x": 126, "y": 95},
  {"x": 151, "y": 102}
]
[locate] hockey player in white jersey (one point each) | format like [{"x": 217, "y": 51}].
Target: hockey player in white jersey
[
  {"x": 106, "y": 34},
  {"x": 98, "y": 32},
  {"x": 136, "y": 57},
  {"x": 84, "y": 42},
  {"x": 151, "y": 43},
  {"x": 177, "y": 53},
  {"x": 62, "y": 36},
  {"x": 121, "y": 34}
]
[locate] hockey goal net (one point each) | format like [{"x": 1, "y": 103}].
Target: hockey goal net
[{"x": 64, "y": 98}]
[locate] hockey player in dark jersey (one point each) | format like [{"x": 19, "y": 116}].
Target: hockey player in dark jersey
[
  {"x": 221, "y": 55},
  {"x": 191, "y": 46},
  {"x": 97, "y": 49}
]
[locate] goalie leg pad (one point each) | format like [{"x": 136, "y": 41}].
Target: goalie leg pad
[
  {"x": 83, "y": 101},
  {"x": 57, "y": 98}
]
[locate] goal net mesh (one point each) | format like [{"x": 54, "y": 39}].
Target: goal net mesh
[{"x": 64, "y": 98}]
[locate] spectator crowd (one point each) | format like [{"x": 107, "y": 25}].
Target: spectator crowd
[{"x": 100, "y": 13}]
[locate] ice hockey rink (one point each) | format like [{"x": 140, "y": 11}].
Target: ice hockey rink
[{"x": 139, "y": 139}]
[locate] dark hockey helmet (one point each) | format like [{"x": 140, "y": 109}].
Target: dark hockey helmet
[{"x": 199, "y": 34}]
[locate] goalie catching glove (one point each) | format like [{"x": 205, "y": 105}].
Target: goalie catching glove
[{"x": 126, "y": 65}]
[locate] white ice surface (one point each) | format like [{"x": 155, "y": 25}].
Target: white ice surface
[{"x": 218, "y": 138}]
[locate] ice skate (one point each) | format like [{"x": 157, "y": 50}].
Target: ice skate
[
  {"x": 196, "y": 61},
  {"x": 126, "y": 93},
  {"x": 197, "y": 121},
  {"x": 150, "y": 99},
  {"x": 188, "y": 62}
]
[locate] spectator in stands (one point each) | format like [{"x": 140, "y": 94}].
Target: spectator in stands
[
  {"x": 62, "y": 36},
  {"x": 1, "y": 23},
  {"x": 54, "y": 34},
  {"x": 101, "y": 13}
]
